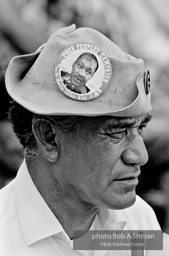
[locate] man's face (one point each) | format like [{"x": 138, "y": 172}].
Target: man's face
[
  {"x": 83, "y": 70},
  {"x": 102, "y": 161}
]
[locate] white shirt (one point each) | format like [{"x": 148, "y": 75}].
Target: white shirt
[{"x": 29, "y": 228}]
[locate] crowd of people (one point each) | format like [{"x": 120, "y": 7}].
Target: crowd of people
[{"x": 139, "y": 28}]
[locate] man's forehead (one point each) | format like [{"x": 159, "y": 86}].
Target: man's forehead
[
  {"x": 106, "y": 122},
  {"x": 86, "y": 58},
  {"x": 119, "y": 122}
]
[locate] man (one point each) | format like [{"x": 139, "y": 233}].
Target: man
[
  {"x": 82, "y": 157},
  {"x": 83, "y": 70}
]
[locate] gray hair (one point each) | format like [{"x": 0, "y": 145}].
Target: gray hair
[{"x": 22, "y": 120}]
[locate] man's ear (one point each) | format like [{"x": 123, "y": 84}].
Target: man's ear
[{"x": 46, "y": 138}]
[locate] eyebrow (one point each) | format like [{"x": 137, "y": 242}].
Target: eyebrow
[
  {"x": 80, "y": 62},
  {"x": 88, "y": 68},
  {"x": 126, "y": 122}
]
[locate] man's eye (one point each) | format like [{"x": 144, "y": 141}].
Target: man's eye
[
  {"x": 118, "y": 135},
  {"x": 89, "y": 72},
  {"x": 79, "y": 66}
]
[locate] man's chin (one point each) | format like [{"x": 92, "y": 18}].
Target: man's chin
[
  {"x": 130, "y": 203},
  {"x": 124, "y": 203},
  {"x": 76, "y": 84}
]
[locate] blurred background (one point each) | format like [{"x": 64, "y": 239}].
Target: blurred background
[{"x": 139, "y": 27}]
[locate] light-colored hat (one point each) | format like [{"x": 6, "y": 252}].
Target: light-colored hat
[{"x": 119, "y": 87}]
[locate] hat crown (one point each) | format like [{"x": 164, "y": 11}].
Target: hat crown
[{"x": 90, "y": 36}]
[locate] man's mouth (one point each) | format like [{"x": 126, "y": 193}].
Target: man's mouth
[
  {"x": 127, "y": 182},
  {"x": 129, "y": 179},
  {"x": 78, "y": 79}
]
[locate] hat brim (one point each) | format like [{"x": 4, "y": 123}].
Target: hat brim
[{"x": 45, "y": 98}]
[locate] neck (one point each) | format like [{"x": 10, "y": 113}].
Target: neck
[{"x": 66, "y": 205}]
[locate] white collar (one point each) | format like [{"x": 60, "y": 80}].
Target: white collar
[{"x": 36, "y": 218}]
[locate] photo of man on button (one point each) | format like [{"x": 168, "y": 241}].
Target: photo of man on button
[
  {"x": 83, "y": 70},
  {"x": 82, "y": 158}
]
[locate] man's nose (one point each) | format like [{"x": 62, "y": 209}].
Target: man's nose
[
  {"x": 82, "y": 72},
  {"x": 136, "y": 153}
]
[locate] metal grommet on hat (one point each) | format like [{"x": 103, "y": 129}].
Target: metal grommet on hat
[
  {"x": 84, "y": 72},
  {"x": 147, "y": 81}
]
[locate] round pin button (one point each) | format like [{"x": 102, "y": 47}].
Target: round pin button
[{"x": 84, "y": 72}]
